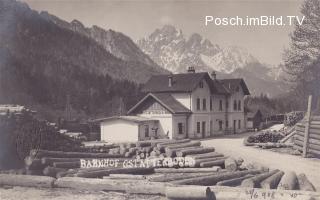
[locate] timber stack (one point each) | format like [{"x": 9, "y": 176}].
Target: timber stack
[{"x": 209, "y": 168}]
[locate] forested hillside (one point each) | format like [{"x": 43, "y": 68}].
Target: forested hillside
[{"x": 42, "y": 63}]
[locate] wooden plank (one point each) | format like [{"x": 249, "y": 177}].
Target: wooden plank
[
  {"x": 311, "y": 130},
  {"x": 310, "y": 146},
  {"x": 306, "y": 133},
  {"x": 311, "y": 140},
  {"x": 311, "y": 135}
]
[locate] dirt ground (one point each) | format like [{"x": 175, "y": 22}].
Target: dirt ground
[{"x": 233, "y": 146}]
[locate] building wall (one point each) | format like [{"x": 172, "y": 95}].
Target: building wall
[
  {"x": 176, "y": 120},
  {"x": 150, "y": 125},
  {"x": 165, "y": 123},
  {"x": 119, "y": 131},
  {"x": 183, "y": 98},
  {"x": 236, "y": 114}
]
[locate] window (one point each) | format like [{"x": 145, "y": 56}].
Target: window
[
  {"x": 227, "y": 104},
  {"x": 220, "y": 105},
  {"x": 239, "y": 105},
  {"x": 237, "y": 89},
  {"x": 201, "y": 84},
  {"x": 235, "y": 105},
  {"x": 227, "y": 124},
  {"x": 220, "y": 125},
  {"x": 211, "y": 107},
  {"x": 180, "y": 128},
  {"x": 239, "y": 124},
  {"x": 146, "y": 130},
  {"x": 198, "y": 104},
  {"x": 203, "y": 128},
  {"x": 198, "y": 127},
  {"x": 204, "y": 104}
]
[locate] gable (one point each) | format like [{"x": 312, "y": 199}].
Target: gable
[
  {"x": 151, "y": 106},
  {"x": 158, "y": 102}
]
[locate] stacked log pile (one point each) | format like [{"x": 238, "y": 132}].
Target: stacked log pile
[{"x": 209, "y": 168}]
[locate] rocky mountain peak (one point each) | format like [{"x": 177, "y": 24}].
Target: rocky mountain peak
[{"x": 169, "y": 48}]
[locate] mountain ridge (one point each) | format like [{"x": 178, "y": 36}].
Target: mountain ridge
[{"x": 169, "y": 48}]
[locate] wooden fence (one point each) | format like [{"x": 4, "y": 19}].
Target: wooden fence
[{"x": 307, "y": 137}]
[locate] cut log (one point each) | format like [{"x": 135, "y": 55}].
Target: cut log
[
  {"x": 182, "y": 153},
  {"x": 289, "y": 181},
  {"x": 105, "y": 172},
  {"x": 206, "y": 155},
  {"x": 128, "y": 186},
  {"x": 272, "y": 181},
  {"x": 50, "y": 161},
  {"x": 67, "y": 165},
  {"x": 61, "y": 154},
  {"x": 26, "y": 180},
  {"x": 255, "y": 181},
  {"x": 219, "y": 162},
  {"x": 304, "y": 183},
  {"x": 126, "y": 176},
  {"x": 231, "y": 164},
  {"x": 65, "y": 173},
  {"x": 172, "y": 152},
  {"x": 197, "y": 162},
  {"x": 234, "y": 182},
  {"x": 35, "y": 172},
  {"x": 175, "y": 193},
  {"x": 172, "y": 142},
  {"x": 178, "y": 176},
  {"x": 213, "y": 179},
  {"x": 52, "y": 171},
  {"x": 185, "y": 170},
  {"x": 33, "y": 163},
  {"x": 189, "y": 144}
]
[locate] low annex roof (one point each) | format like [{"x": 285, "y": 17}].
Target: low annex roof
[
  {"x": 135, "y": 119},
  {"x": 166, "y": 100}
]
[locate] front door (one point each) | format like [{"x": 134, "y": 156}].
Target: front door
[
  {"x": 234, "y": 126},
  {"x": 203, "y": 129},
  {"x": 211, "y": 128}
]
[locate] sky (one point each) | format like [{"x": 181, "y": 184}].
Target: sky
[{"x": 139, "y": 18}]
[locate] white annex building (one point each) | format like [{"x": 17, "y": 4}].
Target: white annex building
[{"x": 189, "y": 105}]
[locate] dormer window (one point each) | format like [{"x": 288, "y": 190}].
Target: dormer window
[
  {"x": 237, "y": 89},
  {"x": 201, "y": 84}
]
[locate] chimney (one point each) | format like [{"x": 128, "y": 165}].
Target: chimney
[
  {"x": 213, "y": 75},
  {"x": 170, "y": 77},
  {"x": 191, "y": 70}
]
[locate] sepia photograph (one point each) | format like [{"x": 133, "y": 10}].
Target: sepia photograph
[{"x": 160, "y": 99}]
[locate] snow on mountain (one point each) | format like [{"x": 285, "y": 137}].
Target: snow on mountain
[
  {"x": 169, "y": 48},
  {"x": 172, "y": 50}
]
